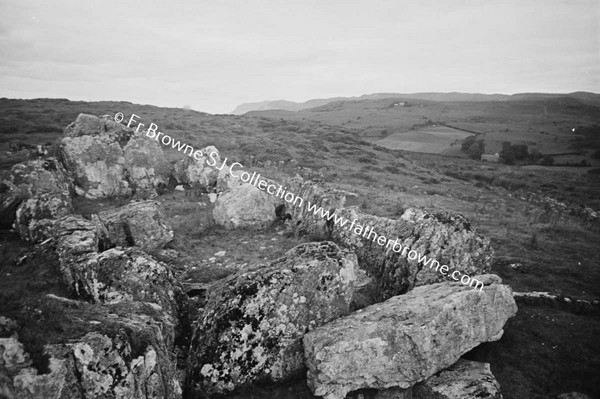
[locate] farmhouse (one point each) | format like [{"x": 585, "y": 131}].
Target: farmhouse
[{"x": 490, "y": 157}]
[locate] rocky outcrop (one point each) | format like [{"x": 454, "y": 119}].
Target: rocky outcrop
[
  {"x": 107, "y": 159},
  {"x": 245, "y": 206},
  {"x": 141, "y": 224},
  {"x": 112, "y": 352},
  {"x": 573, "y": 395},
  {"x": 196, "y": 172},
  {"x": 406, "y": 339},
  {"x": 253, "y": 321},
  {"x": 40, "y": 176},
  {"x": 44, "y": 187},
  {"x": 36, "y": 216},
  {"x": 463, "y": 380},
  {"x": 10, "y": 198},
  {"x": 76, "y": 240},
  {"x": 444, "y": 237},
  {"x": 128, "y": 274},
  {"x": 113, "y": 275}
]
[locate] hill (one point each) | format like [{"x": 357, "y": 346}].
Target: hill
[
  {"x": 544, "y": 122},
  {"x": 585, "y": 97}
]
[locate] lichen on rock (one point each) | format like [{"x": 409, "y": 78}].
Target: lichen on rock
[
  {"x": 406, "y": 339},
  {"x": 36, "y": 216},
  {"x": 253, "y": 321},
  {"x": 141, "y": 224},
  {"x": 445, "y": 237},
  {"x": 107, "y": 159}
]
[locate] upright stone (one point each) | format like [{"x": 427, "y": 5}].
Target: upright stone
[
  {"x": 438, "y": 239},
  {"x": 107, "y": 159},
  {"x": 141, "y": 224}
]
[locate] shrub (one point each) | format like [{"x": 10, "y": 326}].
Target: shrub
[{"x": 547, "y": 160}]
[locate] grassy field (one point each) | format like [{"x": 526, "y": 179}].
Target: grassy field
[
  {"x": 545, "y": 350},
  {"x": 432, "y": 140},
  {"x": 545, "y": 124}
]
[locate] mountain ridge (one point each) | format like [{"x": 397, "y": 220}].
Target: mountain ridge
[{"x": 586, "y": 97}]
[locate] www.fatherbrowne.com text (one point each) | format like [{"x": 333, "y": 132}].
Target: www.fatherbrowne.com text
[{"x": 236, "y": 170}]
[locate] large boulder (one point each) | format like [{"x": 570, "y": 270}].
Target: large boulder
[
  {"x": 36, "y": 216},
  {"x": 406, "y": 339},
  {"x": 195, "y": 170},
  {"x": 119, "y": 351},
  {"x": 141, "y": 224},
  {"x": 465, "y": 379},
  {"x": 245, "y": 206},
  {"x": 45, "y": 188},
  {"x": 41, "y": 176},
  {"x": 44, "y": 179},
  {"x": 305, "y": 221},
  {"x": 253, "y": 321},
  {"x": 107, "y": 159},
  {"x": 126, "y": 274},
  {"x": 443, "y": 237},
  {"x": 225, "y": 180},
  {"x": 113, "y": 275}
]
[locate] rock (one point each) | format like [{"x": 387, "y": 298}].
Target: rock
[
  {"x": 444, "y": 237},
  {"x": 141, "y": 224},
  {"x": 395, "y": 393},
  {"x": 516, "y": 266},
  {"x": 36, "y": 216},
  {"x": 463, "y": 380},
  {"x": 304, "y": 221},
  {"x": 540, "y": 298},
  {"x": 120, "y": 275},
  {"x": 179, "y": 188},
  {"x": 107, "y": 159},
  {"x": 76, "y": 240},
  {"x": 145, "y": 163},
  {"x": 195, "y": 171},
  {"x": 45, "y": 188},
  {"x": 245, "y": 206},
  {"x": 573, "y": 395},
  {"x": 10, "y": 198},
  {"x": 225, "y": 181},
  {"x": 113, "y": 275},
  {"x": 125, "y": 353},
  {"x": 41, "y": 176},
  {"x": 253, "y": 321},
  {"x": 406, "y": 339}
]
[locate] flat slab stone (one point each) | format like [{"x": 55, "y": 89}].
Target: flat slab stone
[{"x": 406, "y": 339}]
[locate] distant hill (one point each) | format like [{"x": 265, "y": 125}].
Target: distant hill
[
  {"x": 282, "y": 104},
  {"x": 584, "y": 97}
]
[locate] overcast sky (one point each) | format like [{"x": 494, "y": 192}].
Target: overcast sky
[{"x": 214, "y": 55}]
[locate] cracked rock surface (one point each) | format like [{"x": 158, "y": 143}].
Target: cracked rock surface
[
  {"x": 443, "y": 236},
  {"x": 254, "y": 320}
]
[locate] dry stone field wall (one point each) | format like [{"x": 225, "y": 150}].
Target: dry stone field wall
[{"x": 343, "y": 312}]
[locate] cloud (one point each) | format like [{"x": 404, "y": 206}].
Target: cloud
[{"x": 216, "y": 54}]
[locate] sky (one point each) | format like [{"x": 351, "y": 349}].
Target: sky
[{"x": 213, "y": 55}]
